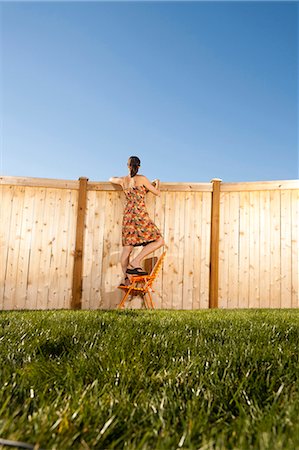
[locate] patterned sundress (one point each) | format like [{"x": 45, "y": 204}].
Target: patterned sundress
[{"x": 137, "y": 227}]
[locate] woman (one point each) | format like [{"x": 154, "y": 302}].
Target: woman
[{"x": 137, "y": 227}]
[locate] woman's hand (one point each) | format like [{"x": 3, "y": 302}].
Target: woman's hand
[
  {"x": 116, "y": 180},
  {"x": 156, "y": 184},
  {"x": 150, "y": 185}
]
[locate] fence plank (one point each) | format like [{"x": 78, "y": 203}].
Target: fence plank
[
  {"x": 214, "y": 247},
  {"x": 181, "y": 254},
  {"x": 206, "y": 248},
  {"x": 5, "y": 225},
  {"x": 244, "y": 245},
  {"x": 25, "y": 246},
  {"x": 265, "y": 249},
  {"x": 91, "y": 262},
  {"x": 169, "y": 261},
  {"x": 36, "y": 248},
  {"x": 14, "y": 240},
  {"x": 159, "y": 220},
  {"x": 254, "y": 260},
  {"x": 295, "y": 248},
  {"x": 286, "y": 249},
  {"x": 177, "y": 274},
  {"x": 48, "y": 237},
  {"x": 76, "y": 302},
  {"x": 188, "y": 252},
  {"x": 224, "y": 250},
  {"x": 71, "y": 244},
  {"x": 275, "y": 240},
  {"x": 233, "y": 279},
  {"x": 197, "y": 245}
]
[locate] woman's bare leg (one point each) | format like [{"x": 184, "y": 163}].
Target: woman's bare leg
[
  {"x": 124, "y": 259},
  {"x": 149, "y": 248}
]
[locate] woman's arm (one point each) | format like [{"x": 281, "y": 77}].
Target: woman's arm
[
  {"x": 116, "y": 180},
  {"x": 150, "y": 186}
]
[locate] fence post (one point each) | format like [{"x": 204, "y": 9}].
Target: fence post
[
  {"x": 76, "y": 301},
  {"x": 214, "y": 250}
]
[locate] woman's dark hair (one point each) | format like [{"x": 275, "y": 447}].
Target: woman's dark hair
[{"x": 134, "y": 164}]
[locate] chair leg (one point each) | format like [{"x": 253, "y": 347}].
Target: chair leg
[
  {"x": 145, "y": 301},
  {"x": 150, "y": 301},
  {"x": 122, "y": 303}
]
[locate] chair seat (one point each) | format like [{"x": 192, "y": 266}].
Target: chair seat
[{"x": 126, "y": 288}]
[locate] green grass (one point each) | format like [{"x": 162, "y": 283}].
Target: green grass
[{"x": 150, "y": 379}]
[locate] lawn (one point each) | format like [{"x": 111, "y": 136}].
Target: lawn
[{"x": 150, "y": 379}]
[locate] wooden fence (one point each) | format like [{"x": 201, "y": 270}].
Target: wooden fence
[{"x": 229, "y": 245}]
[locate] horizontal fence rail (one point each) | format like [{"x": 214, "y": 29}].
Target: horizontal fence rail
[{"x": 229, "y": 245}]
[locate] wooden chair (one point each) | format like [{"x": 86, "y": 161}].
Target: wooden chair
[{"x": 142, "y": 285}]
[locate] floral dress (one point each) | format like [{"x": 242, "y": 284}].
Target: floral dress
[{"x": 137, "y": 227}]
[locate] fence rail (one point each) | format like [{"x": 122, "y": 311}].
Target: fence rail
[{"x": 230, "y": 245}]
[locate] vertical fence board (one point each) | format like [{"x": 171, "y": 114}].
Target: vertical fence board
[
  {"x": 14, "y": 240},
  {"x": 71, "y": 242},
  {"x": 25, "y": 245},
  {"x": 265, "y": 250},
  {"x": 115, "y": 266},
  {"x": 159, "y": 220},
  {"x": 36, "y": 248},
  {"x": 46, "y": 249},
  {"x": 295, "y": 249},
  {"x": 169, "y": 261},
  {"x": 5, "y": 221},
  {"x": 286, "y": 249},
  {"x": 106, "y": 271},
  {"x": 233, "y": 279},
  {"x": 54, "y": 296},
  {"x": 214, "y": 245},
  {"x": 197, "y": 245},
  {"x": 224, "y": 250},
  {"x": 90, "y": 254},
  {"x": 254, "y": 262},
  {"x": 275, "y": 240},
  {"x": 65, "y": 261},
  {"x": 181, "y": 254},
  {"x": 188, "y": 252},
  {"x": 243, "y": 297},
  {"x": 93, "y": 291},
  {"x": 205, "y": 248},
  {"x": 179, "y": 211},
  {"x": 77, "y": 286}
]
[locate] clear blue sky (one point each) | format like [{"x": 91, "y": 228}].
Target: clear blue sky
[{"x": 195, "y": 89}]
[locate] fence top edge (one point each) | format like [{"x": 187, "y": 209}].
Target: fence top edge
[
  {"x": 164, "y": 186},
  {"x": 260, "y": 186},
  {"x": 96, "y": 185},
  {"x": 39, "y": 182}
]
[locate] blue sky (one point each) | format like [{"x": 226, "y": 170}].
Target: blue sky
[{"x": 195, "y": 89}]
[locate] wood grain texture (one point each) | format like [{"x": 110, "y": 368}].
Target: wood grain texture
[
  {"x": 77, "y": 286},
  {"x": 258, "y": 244},
  {"x": 295, "y": 248},
  {"x": 258, "y": 263},
  {"x": 37, "y": 247},
  {"x": 233, "y": 267},
  {"x": 244, "y": 245},
  {"x": 214, "y": 247}
]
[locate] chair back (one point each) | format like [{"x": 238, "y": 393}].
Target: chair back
[
  {"x": 149, "y": 263},
  {"x": 157, "y": 266}
]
